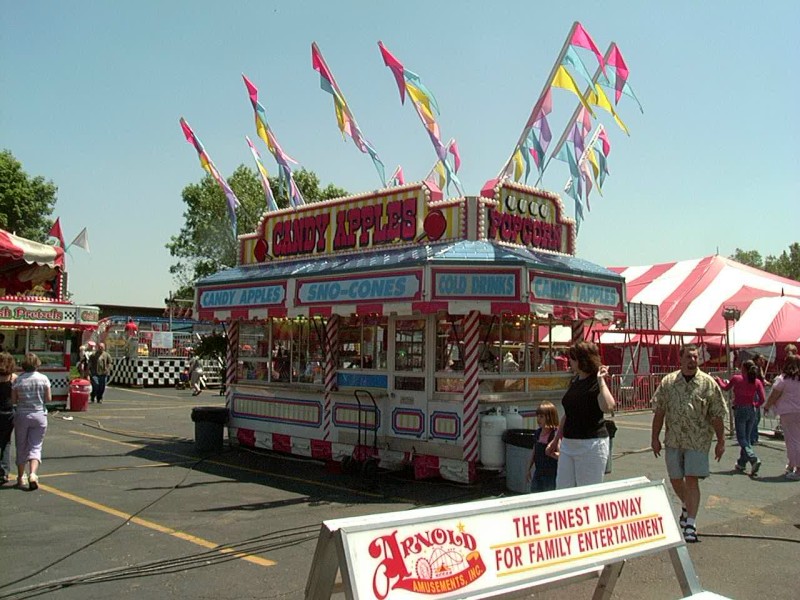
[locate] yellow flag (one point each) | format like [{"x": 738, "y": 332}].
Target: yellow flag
[
  {"x": 442, "y": 175},
  {"x": 593, "y": 161},
  {"x": 598, "y": 98},
  {"x": 519, "y": 166},
  {"x": 592, "y": 158},
  {"x": 420, "y": 97},
  {"x": 564, "y": 80}
]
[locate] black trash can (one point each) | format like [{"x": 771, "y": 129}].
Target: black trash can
[
  {"x": 209, "y": 427},
  {"x": 519, "y": 445},
  {"x": 611, "y": 427}
]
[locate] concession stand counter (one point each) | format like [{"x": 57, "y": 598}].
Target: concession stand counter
[
  {"x": 382, "y": 328},
  {"x": 34, "y": 314}
]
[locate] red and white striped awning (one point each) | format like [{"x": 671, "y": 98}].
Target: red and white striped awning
[
  {"x": 692, "y": 294},
  {"x": 14, "y": 248}
]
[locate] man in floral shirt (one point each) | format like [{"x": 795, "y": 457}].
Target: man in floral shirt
[{"x": 693, "y": 407}]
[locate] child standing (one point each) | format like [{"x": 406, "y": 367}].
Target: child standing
[{"x": 542, "y": 468}]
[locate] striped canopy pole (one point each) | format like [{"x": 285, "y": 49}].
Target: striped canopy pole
[
  {"x": 471, "y": 385},
  {"x": 232, "y": 359},
  {"x": 331, "y": 355},
  {"x": 577, "y": 332}
]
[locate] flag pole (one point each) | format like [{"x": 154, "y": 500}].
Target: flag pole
[
  {"x": 574, "y": 117},
  {"x": 538, "y": 106}
]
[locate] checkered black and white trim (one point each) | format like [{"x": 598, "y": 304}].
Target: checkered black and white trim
[{"x": 155, "y": 372}]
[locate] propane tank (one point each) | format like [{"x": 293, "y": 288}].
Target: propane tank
[
  {"x": 493, "y": 449},
  {"x": 514, "y": 420}
]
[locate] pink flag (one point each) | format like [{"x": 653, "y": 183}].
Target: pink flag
[
  {"x": 545, "y": 109},
  {"x": 586, "y": 120},
  {"x": 55, "y": 233},
  {"x": 397, "y": 70},
  {"x": 602, "y": 136},
  {"x": 582, "y": 39},
  {"x": 397, "y": 176},
  {"x": 615, "y": 60},
  {"x": 252, "y": 90},
  {"x": 456, "y": 156}
]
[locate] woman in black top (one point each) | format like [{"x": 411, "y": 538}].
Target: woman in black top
[
  {"x": 582, "y": 437},
  {"x": 7, "y": 368}
]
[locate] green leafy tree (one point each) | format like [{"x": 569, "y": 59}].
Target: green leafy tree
[
  {"x": 206, "y": 243},
  {"x": 751, "y": 258},
  {"x": 787, "y": 264},
  {"x": 26, "y": 203}
]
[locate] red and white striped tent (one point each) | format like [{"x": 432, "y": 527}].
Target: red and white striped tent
[
  {"x": 25, "y": 263},
  {"x": 692, "y": 294}
]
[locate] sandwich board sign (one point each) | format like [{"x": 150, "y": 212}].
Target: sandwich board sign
[{"x": 500, "y": 548}]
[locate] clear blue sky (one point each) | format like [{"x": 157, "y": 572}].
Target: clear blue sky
[{"x": 91, "y": 94}]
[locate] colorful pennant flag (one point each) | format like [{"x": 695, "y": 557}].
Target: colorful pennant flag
[
  {"x": 344, "y": 116},
  {"x": 81, "y": 240},
  {"x": 285, "y": 177},
  {"x": 562, "y": 79},
  {"x": 426, "y": 107},
  {"x": 615, "y": 59},
  {"x": 597, "y": 97},
  {"x": 208, "y": 165},
  {"x": 56, "y": 237},
  {"x": 582, "y": 39},
  {"x": 263, "y": 176},
  {"x": 609, "y": 81},
  {"x": 397, "y": 177}
]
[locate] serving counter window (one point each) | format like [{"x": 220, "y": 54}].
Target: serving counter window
[
  {"x": 363, "y": 343},
  {"x": 282, "y": 351},
  {"x": 409, "y": 346},
  {"x": 47, "y": 344},
  {"x": 450, "y": 354}
]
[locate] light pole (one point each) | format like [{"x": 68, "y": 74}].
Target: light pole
[{"x": 729, "y": 313}]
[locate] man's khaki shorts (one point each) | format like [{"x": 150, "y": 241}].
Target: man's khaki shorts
[{"x": 682, "y": 463}]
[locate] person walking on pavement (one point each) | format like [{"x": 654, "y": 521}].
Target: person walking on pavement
[
  {"x": 196, "y": 375},
  {"x": 785, "y": 399},
  {"x": 748, "y": 396},
  {"x": 30, "y": 395},
  {"x": 692, "y": 405},
  {"x": 7, "y": 377},
  {"x": 99, "y": 369}
]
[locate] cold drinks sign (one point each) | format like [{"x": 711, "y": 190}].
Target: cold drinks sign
[{"x": 470, "y": 550}]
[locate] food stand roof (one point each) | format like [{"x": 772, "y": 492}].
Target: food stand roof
[{"x": 473, "y": 253}]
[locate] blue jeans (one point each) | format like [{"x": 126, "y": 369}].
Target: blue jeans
[
  {"x": 754, "y": 437},
  {"x": 545, "y": 482},
  {"x": 745, "y": 420},
  {"x": 98, "y": 386}
]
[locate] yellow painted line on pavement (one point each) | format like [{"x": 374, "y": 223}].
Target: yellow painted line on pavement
[
  {"x": 112, "y": 469},
  {"x": 256, "y": 560}
]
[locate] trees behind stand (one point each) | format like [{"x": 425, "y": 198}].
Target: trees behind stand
[
  {"x": 26, "y": 203},
  {"x": 787, "y": 264},
  {"x": 206, "y": 243}
]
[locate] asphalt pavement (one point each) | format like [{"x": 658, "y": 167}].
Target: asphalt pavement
[{"x": 127, "y": 507}]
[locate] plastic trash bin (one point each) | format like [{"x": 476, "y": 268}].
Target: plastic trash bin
[
  {"x": 611, "y": 427},
  {"x": 519, "y": 445},
  {"x": 209, "y": 426},
  {"x": 79, "y": 392}
]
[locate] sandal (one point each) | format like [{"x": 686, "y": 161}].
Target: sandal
[
  {"x": 690, "y": 534},
  {"x": 683, "y": 517},
  {"x": 33, "y": 482}
]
